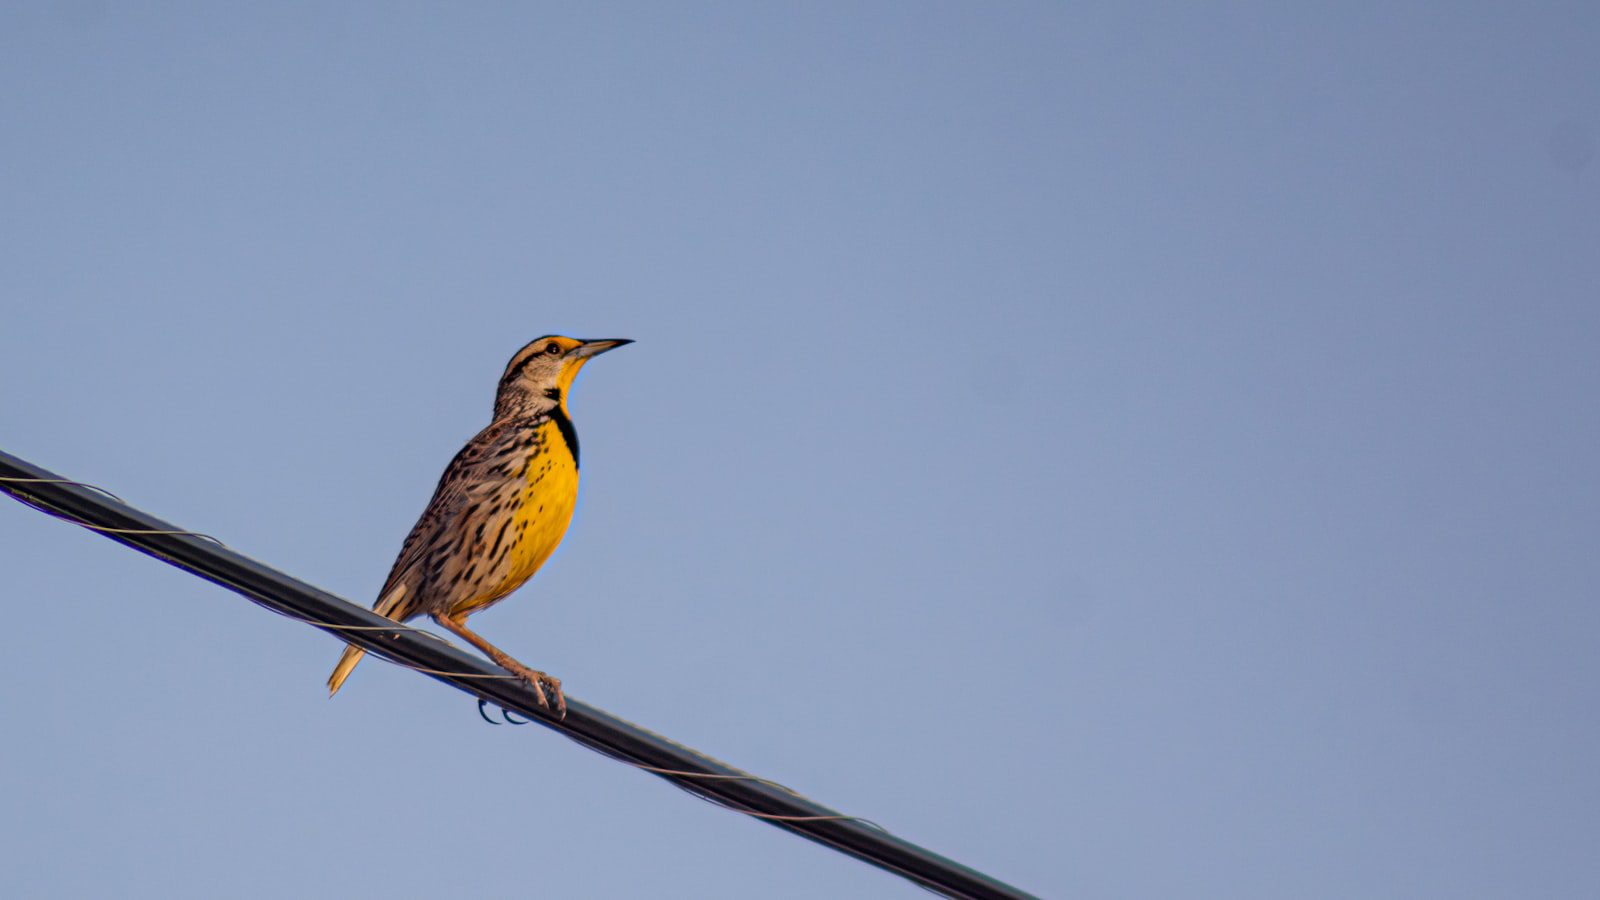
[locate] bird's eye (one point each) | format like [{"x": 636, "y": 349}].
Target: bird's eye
[{"x": 552, "y": 348}]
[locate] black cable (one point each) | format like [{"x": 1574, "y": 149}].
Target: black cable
[{"x": 586, "y": 724}]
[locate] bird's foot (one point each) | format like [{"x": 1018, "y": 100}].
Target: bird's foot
[{"x": 545, "y": 686}]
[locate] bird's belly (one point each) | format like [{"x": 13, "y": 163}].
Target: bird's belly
[
  {"x": 539, "y": 520},
  {"x": 543, "y": 518}
]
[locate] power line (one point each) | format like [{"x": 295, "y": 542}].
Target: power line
[{"x": 686, "y": 768}]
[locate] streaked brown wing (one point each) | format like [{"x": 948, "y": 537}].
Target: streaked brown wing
[{"x": 484, "y": 466}]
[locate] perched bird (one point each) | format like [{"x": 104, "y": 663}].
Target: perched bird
[{"x": 499, "y": 511}]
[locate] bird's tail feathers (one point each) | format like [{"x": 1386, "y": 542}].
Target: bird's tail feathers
[{"x": 388, "y": 607}]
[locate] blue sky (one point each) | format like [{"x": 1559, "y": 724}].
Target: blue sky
[{"x": 1134, "y": 450}]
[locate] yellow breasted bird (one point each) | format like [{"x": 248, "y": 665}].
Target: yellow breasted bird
[{"x": 499, "y": 511}]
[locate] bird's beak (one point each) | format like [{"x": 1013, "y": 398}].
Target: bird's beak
[{"x": 595, "y": 348}]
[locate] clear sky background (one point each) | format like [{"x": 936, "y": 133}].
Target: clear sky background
[{"x": 1137, "y": 451}]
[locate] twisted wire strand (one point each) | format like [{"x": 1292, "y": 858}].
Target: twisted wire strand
[
  {"x": 103, "y": 529},
  {"x": 718, "y": 801},
  {"x": 93, "y": 487},
  {"x": 396, "y": 629}
]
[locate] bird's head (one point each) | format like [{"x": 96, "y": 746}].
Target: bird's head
[{"x": 540, "y": 374}]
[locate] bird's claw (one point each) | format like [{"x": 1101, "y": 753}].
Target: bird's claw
[
  {"x": 544, "y": 686},
  {"x": 554, "y": 684}
]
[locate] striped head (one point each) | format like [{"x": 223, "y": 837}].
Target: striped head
[{"x": 540, "y": 374}]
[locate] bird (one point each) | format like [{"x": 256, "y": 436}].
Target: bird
[{"x": 501, "y": 508}]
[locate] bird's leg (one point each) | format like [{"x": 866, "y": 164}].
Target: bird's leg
[{"x": 535, "y": 679}]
